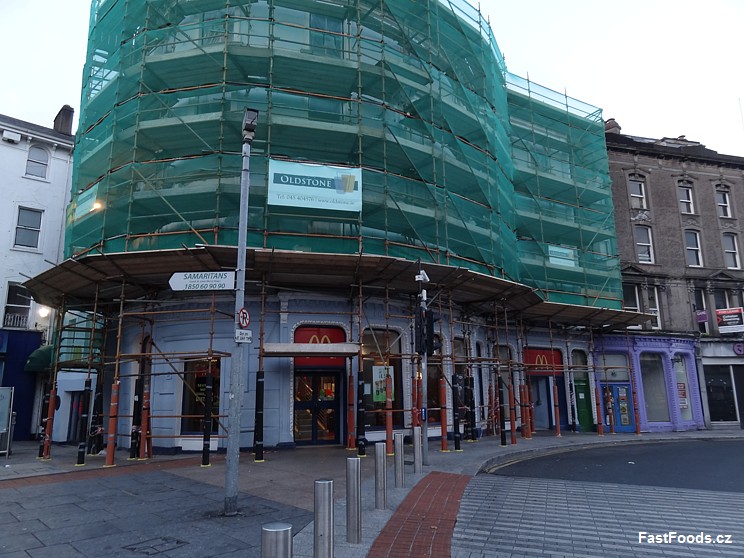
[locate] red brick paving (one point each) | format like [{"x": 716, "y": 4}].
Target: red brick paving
[{"x": 422, "y": 525}]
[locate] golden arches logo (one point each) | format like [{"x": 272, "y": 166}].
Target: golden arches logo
[
  {"x": 542, "y": 361},
  {"x": 320, "y": 341}
]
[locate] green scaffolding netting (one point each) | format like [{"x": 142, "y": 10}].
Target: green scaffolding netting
[{"x": 462, "y": 163}]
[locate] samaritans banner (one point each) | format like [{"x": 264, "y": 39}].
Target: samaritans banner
[{"x": 315, "y": 186}]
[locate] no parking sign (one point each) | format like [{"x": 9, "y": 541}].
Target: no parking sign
[{"x": 244, "y": 318}]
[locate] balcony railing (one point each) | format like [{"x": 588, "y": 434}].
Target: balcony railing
[{"x": 19, "y": 321}]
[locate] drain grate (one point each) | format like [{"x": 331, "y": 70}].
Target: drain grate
[{"x": 155, "y": 546}]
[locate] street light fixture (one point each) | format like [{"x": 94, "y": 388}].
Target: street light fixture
[{"x": 250, "y": 118}]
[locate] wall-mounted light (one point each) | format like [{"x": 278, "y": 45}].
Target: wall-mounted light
[{"x": 43, "y": 311}]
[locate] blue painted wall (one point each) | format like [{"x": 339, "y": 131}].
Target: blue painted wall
[{"x": 15, "y": 348}]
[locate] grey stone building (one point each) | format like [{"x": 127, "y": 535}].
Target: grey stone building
[{"x": 679, "y": 208}]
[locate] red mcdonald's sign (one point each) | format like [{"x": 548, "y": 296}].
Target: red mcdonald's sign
[
  {"x": 311, "y": 334},
  {"x": 543, "y": 362}
]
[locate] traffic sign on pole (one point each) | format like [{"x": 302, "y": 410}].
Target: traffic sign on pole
[
  {"x": 244, "y": 318},
  {"x": 243, "y": 336},
  {"x": 202, "y": 281}
]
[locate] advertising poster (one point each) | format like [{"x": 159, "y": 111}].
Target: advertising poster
[
  {"x": 379, "y": 374},
  {"x": 730, "y": 320},
  {"x": 315, "y": 186}
]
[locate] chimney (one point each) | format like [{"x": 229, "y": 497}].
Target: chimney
[
  {"x": 611, "y": 126},
  {"x": 63, "y": 120}
]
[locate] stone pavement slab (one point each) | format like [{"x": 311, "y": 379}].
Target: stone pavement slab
[
  {"x": 172, "y": 497},
  {"x": 521, "y": 516}
]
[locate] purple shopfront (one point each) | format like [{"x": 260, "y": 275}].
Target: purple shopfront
[{"x": 663, "y": 373}]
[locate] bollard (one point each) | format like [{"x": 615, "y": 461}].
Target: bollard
[
  {"x": 399, "y": 460},
  {"x": 276, "y": 540},
  {"x": 323, "y": 538},
  {"x": 353, "y": 500},
  {"x": 417, "y": 450},
  {"x": 380, "y": 476}
]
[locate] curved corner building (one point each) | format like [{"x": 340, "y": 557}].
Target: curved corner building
[
  {"x": 389, "y": 132},
  {"x": 459, "y": 163}
]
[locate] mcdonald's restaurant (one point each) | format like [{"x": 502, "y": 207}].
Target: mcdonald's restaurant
[{"x": 353, "y": 356}]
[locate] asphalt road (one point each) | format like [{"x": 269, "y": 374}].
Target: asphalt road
[
  {"x": 695, "y": 464},
  {"x": 638, "y": 499}
]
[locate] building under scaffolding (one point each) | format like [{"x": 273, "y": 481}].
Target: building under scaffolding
[{"x": 391, "y": 139}]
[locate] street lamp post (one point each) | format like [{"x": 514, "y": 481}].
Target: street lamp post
[
  {"x": 250, "y": 118},
  {"x": 422, "y": 279}
]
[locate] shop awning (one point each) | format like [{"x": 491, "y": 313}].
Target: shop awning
[{"x": 40, "y": 360}]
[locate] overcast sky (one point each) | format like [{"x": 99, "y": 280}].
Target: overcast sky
[{"x": 659, "y": 67}]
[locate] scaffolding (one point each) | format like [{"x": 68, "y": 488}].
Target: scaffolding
[
  {"x": 469, "y": 379},
  {"x": 496, "y": 186},
  {"x": 461, "y": 163}
]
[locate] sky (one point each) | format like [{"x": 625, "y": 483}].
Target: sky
[{"x": 661, "y": 68}]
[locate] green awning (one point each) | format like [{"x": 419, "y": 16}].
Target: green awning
[{"x": 40, "y": 360}]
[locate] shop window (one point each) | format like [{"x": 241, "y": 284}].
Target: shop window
[
  {"x": 683, "y": 386},
  {"x": 686, "y": 203},
  {"x": 692, "y": 249},
  {"x": 196, "y": 375},
  {"x": 580, "y": 391},
  {"x": 461, "y": 369},
  {"x": 644, "y": 244},
  {"x": 719, "y": 388},
  {"x": 381, "y": 350},
  {"x": 615, "y": 368},
  {"x": 37, "y": 163},
  {"x": 637, "y": 190},
  {"x": 579, "y": 363},
  {"x": 483, "y": 382},
  {"x": 654, "y": 388}
]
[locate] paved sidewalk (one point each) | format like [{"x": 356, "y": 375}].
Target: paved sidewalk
[{"x": 170, "y": 505}]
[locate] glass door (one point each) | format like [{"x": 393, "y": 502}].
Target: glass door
[{"x": 316, "y": 408}]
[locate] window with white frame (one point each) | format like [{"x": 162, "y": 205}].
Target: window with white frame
[
  {"x": 644, "y": 244},
  {"x": 653, "y": 307},
  {"x": 37, "y": 163},
  {"x": 731, "y": 251},
  {"x": 724, "y": 204},
  {"x": 637, "y": 189},
  {"x": 28, "y": 228},
  {"x": 686, "y": 204},
  {"x": 17, "y": 306},
  {"x": 692, "y": 249},
  {"x": 631, "y": 300},
  {"x": 632, "y": 303}
]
